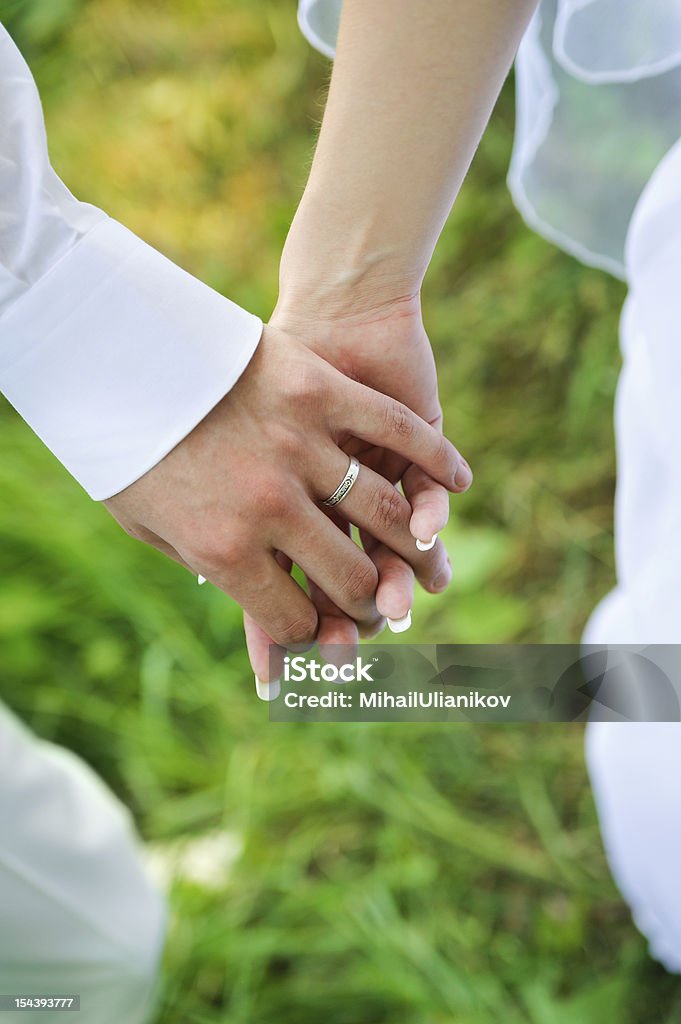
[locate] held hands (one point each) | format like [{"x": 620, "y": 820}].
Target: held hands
[
  {"x": 241, "y": 495},
  {"x": 387, "y": 349}
]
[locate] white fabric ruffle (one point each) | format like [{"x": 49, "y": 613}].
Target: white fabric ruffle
[{"x": 598, "y": 87}]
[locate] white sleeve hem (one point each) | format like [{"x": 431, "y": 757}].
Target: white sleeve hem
[
  {"x": 116, "y": 354},
  {"x": 318, "y": 21}
]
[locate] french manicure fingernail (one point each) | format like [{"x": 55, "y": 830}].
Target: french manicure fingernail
[
  {"x": 464, "y": 476},
  {"x": 267, "y": 691},
  {"x": 400, "y": 625},
  {"x": 426, "y": 545},
  {"x": 200, "y": 580}
]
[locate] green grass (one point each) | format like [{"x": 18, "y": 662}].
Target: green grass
[{"x": 402, "y": 874}]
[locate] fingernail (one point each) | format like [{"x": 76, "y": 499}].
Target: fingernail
[
  {"x": 267, "y": 691},
  {"x": 400, "y": 625},
  {"x": 425, "y": 545},
  {"x": 464, "y": 476},
  {"x": 200, "y": 580}
]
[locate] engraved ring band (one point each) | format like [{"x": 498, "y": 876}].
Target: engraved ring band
[{"x": 345, "y": 485}]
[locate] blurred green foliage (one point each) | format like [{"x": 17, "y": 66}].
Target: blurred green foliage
[{"x": 411, "y": 875}]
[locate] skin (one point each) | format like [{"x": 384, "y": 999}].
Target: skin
[
  {"x": 408, "y": 101},
  {"x": 241, "y": 494},
  {"x": 359, "y": 349}
]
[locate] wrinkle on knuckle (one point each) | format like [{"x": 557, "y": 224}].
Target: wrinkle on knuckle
[
  {"x": 400, "y": 422},
  {"x": 299, "y": 630},
  {"x": 361, "y": 583},
  {"x": 388, "y": 508}
]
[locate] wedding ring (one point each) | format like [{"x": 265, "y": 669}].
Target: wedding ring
[{"x": 345, "y": 485}]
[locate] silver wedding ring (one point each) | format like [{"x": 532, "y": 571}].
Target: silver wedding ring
[{"x": 346, "y": 484}]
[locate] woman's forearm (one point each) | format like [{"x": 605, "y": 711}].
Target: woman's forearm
[{"x": 412, "y": 89}]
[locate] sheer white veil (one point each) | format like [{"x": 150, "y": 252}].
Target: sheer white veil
[{"x": 598, "y": 105}]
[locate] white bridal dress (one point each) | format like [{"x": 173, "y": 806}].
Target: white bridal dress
[{"x": 596, "y": 168}]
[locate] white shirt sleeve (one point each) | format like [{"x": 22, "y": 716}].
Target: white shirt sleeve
[{"x": 108, "y": 350}]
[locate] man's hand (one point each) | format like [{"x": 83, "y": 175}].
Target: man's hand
[
  {"x": 388, "y": 350},
  {"x": 242, "y": 492}
]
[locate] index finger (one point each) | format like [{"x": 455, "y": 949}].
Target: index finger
[{"x": 389, "y": 424}]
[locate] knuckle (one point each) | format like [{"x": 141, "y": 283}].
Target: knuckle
[
  {"x": 400, "y": 421},
  {"x": 300, "y": 630},
  {"x": 290, "y": 444},
  {"x": 218, "y": 552},
  {"x": 231, "y": 555},
  {"x": 388, "y": 508},
  {"x": 307, "y": 387},
  {"x": 362, "y": 582},
  {"x": 273, "y": 502}
]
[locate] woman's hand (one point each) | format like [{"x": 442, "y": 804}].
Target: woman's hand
[
  {"x": 242, "y": 492},
  {"x": 407, "y": 104},
  {"x": 387, "y": 349}
]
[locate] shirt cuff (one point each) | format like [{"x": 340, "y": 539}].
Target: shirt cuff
[{"x": 116, "y": 354}]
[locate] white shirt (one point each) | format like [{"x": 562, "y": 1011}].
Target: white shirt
[
  {"x": 109, "y": 351},
  {"x": 113, "y": 354}
]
